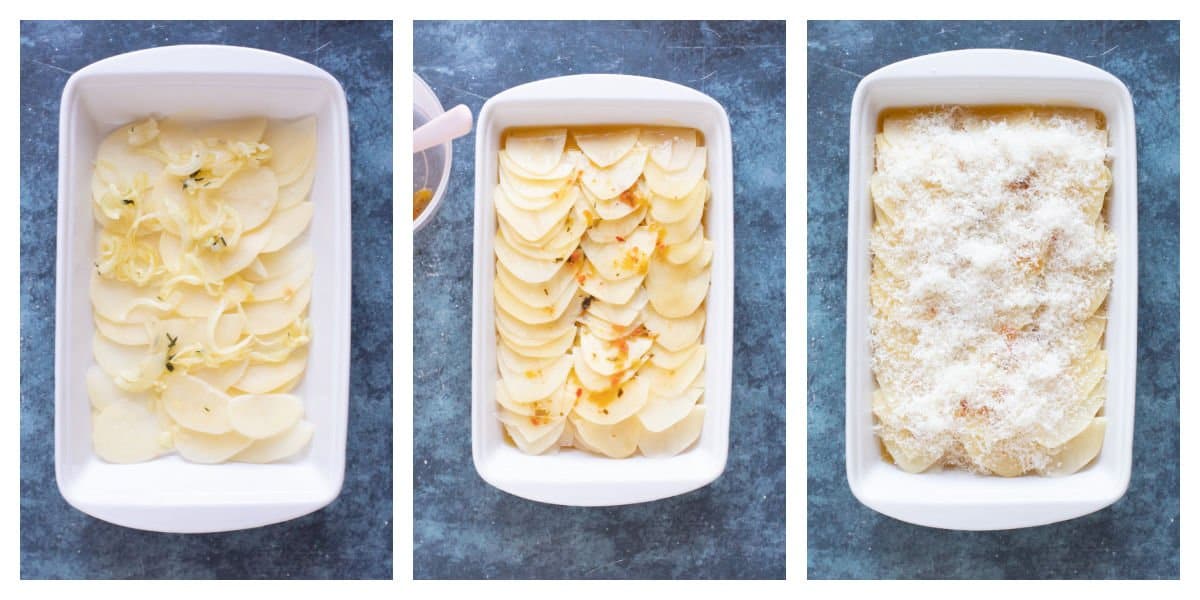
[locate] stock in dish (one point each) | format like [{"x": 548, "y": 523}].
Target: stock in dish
[
  {"x": 601, "y": 275},
  {"x": 991, "y": 263},
  {"x": 200, "y": 289}
]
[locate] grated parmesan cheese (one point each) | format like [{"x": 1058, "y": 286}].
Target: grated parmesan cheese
[{"x": 990, "y": 264}]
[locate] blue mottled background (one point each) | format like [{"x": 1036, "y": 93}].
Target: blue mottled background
[
  {"x": 351, "y": 538},
  {"x": 734, "y": 528},
  {"x": 1138, "y": 537}
]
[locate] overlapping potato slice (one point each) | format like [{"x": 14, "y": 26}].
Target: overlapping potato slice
[
  {"x": 538, "y": 150},
  {"x": 524, "y": 334},
  {"x": 663, "y": 411},
  {"x": 606, "y": 146},
  {"x": 1080, "y": 450},
  {"x": 606, "y": 231},
  {"x": 530, "y": 384},
  {"x": 607, "y": 330},
  {"x": 261, "y": 416},
  {"x": 525, "y": 267},
  {"x": 619, "y": 206},
  {"x": 609, "y": 181},
  {"x": 549, "y": 439},
  {"x": 615, "y": 404},
  {"x": 200, "y": 289},
  {"x": 622, "y": 258},
  {"x": 125, "y": 431},
  {"x": 620, "y": 314},
  {"x": 670, "y": 147},
  {"x": 541, "y": 294},
  {"x": 615, "y": 441},
  {"x": 610, "y": 357},
  {"x": 678, "y": 290},
  {"x": 675, "y": 334},
  {"x": 277, "y": 447},
  {"x": 665, "y": 209},
  {"x": 592, "y": 282},
  {"x": 676, "y": 438},
  {"x": 671, "y": 382},
  {"x": 676, "y": 184},
  {"x": 293, "y": 145},
  {"x": 532, "y": 315}
]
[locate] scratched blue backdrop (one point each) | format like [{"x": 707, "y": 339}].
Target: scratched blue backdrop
[
  {"x": 1138, "y": 537},
  {"x": 734, "y": 528},
  {"x": 351, "y": 538}
]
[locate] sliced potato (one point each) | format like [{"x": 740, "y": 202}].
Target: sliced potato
[
  {"x": 615, "y": 441},
  {"x": 127, "y": 432},
  {"x": 287, "y": 224},
  {"x": 262, "y": 416},
  {"x": 670, "y": 147},
  {"x": 262, "y": 378},
  {"x": 622, "y": 259},
  {"x": 293, "y": 144},
  {"x": 662, "y": 412},
  {"x": 676, "y": 184},
  {"x": 196, "y": 405},
  {"x": 208, "y": 448},
  {"x": 675, "y": 334},
  {"x": 614, "y": 405},
  {"x": 277, "y": 447},
  {"x": 676, "y": 438},
  {"x": 605, "y": 147},
  {"x": 536, "y": 150}
]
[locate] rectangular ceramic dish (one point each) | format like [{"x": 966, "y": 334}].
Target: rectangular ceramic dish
[
  {"x": 955, "y": 499},
  {"x": 575, "y": 477},
  {"x": 210, "y": 82}
]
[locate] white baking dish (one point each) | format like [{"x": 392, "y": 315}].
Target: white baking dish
[
  {"x": 170, "y": 494},
  {"x": 959, "y": 500},
  {"x": 575, "y": 477}
]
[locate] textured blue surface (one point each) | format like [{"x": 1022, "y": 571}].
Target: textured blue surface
[
  {"x": 1138, "y": 537},
  {"x": 734, "y": 528},
  {"x": 351, "y": 538}
]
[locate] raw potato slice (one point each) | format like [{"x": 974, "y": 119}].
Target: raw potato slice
[
  {"x": 543, "y": 294},
  {"x": 677, "y": 290},
  {"x": 607, "y": 232},
  {"x": 598, "y": 382},
  {"x": 196, "y": 405},
  {"x": 103, "y": 392},
  {"x": 667, "y": 359},
  {"x": 178, "y": 137},
  {"x": 558, "y": 249},
  {"x": 676, "y": 438},
  {"x": 263, "y": 318},
  {"x": 526, "y": 268},
  {"x": 670, "y": 147},
  {"x": 125, "y": 302},
  {"x": 566, "y": 167},
  {"x": 608, "y": 358},
  {"x": 675, "y": 334},
  {"x": 551, "y": 349},
  {"x": 252, "y": 193},
  {"x": 539, "y": 445},
  {"x": 287, "y": 225},
  {"x": 525, "y": 334},
  {"x": 615, "y": 292},
  {"x": 529, "y": 314},
  {"x": 281, "y": 262},
  {"x": 126, "y": 334},
  {"x": 122, "y": 362},
  {"x": 533, "y": 194},
  {"x": 618, "y": 207},
  {"x": 538, "y": 150},
  {"x": 297, "y": 191},
  {"x": 194, "y": 301},
  {"x": 1080, "y": 451},
  {"x": 277, "y": 447},
  {"x": 676, "y": 184},
  {"x": 534, "y": 225},
  {"x": 614, "y": 441},
  {"x": 293, "y": 144},
  {"x": 670, "y": 382},
  {"x": 609, "y": 182},
  {"x": 679, "y": 231},
  {"x": 262, "y": 378},
  {"x": 262, "y": 416},
  {"x": 1076, "y": 418},
  {"x": 556, "y": 405},
  {"x": 283, "y": 286},
  {"x": 614, "y": 405},
  {"x": 531, "y": 428},
  {"x": 220, "y": 264},
  {"x": 620, "y": 314},
  {"x": 622, "y": 259},
  {"x": 223, "y": 377},
  {"x": 534, "y": 385},
  {"x": 670, "y": 210},
  {"x": 682, "y": 252},
  {"x": 207, "y": 448},
  {"x": 607, "y": 147},
  {"x": 127, "y": 432},
  {"x": 663, "y": 412},
  {"x": 916, "y": 462},
  {"x": 606, "y": 330}
]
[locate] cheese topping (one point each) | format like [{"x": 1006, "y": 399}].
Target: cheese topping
[{"x": 991, "y": 263}]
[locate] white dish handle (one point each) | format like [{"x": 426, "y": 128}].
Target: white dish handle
[
  {"x": 202, "y": 58},
  {"x": 991, "y": 63},
  {"x": 600, "y": 86}
]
